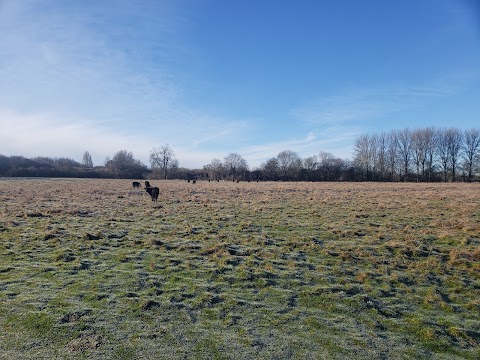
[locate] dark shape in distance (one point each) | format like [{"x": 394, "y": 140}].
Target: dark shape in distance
[{"x": 153, "y": 191}]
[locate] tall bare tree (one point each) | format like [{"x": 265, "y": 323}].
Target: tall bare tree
[
  {"x": 289, "y": 164},
  {"x": 326, "y": 164},
  {"x": 392, "y": 150},
  {"x": 373, "y": 154},
  {"x": 362, "y": 155},
  {"x": 419, "y": 150},
  {"x": 443, "y": 152},
  {"x": 455, "y": 141},
  {"x": 381, "y": 158},
  {"x": 310, "y": 165},
  {"x": 87, "y": 160},
  {"x": 405, "y": 150},
  {"x": 431, "y": 138},
  {"x": 471, "y": 150},
  {"x": 214, "y": 169},
  {"x": 163, "y": 160},
  {"x": 235, "y": 164},
  {"x": 270, "y": 168},
  {"x": 124, "y": 165}
]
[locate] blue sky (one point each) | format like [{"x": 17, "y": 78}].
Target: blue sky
[{"x": 211, "y": 77}]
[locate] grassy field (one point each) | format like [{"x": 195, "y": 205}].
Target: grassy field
[{"x": 94, "y": 269}]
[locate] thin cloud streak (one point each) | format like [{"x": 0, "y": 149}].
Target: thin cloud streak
[
  {"x": 66, "y": 63},
  {"x": 372, "y": 102}
]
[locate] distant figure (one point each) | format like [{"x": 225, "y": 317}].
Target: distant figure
[
  {"x": 136, "y": 184},
  {"x": 194, "y": 181},
  {"x": 153, "y": 191},
  {"x": 147, "y": 184}
]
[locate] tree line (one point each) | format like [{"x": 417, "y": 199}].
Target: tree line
[{"x": 427, "y": 154}]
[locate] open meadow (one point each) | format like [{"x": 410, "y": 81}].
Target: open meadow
[{"x": 220, "y": 270}]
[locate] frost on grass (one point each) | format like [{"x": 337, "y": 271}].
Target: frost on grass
[{"x": 91, "y": 268}]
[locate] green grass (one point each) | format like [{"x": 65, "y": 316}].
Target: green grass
[{"x": 94, "y": 269}]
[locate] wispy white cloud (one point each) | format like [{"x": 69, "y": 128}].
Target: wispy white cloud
[
  {"x": 338, "y": 110},
  {"x": 216, "y": 130},
  {"x": 54, "y": 58},
  {"x": 78, "y": 82},
  {"x": 370, "y": 103}
]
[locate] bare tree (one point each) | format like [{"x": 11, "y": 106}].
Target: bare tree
[
  {"x": 121, "y": 162},
  {"x": 405, "y": 150},
  {"x": 270, "y": 168},
  {"x": 310, "y": 165},
  {"x": 431, "y": 138},
  {"x": 443, "y": 151},
  {"x": 124, "y": 165},
  {"x": 163, "y": 160},
  {"x": 391, "y": 153},
  {"x": 370, "y": 155},
  {"x": 381, "y": 155},
  {"x": 471, "y": 150},
  {"x": 326, "y": 164},
  {"x": 340, "y": 169},
  {"x": 373, "y": 149},
  {"x": 455, "y": 140},
  {"x": 87, "y": 160},
  {"x": 419, "y": 147},
  {"x": 235, "y": 165},
  {"x": 214, "y": 169},
  {"x": 289, "y": 164},
  {"x": 362, "y": 155}
]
